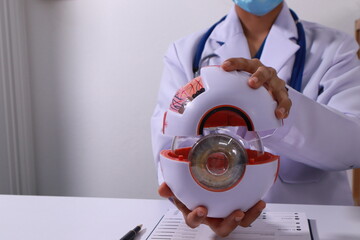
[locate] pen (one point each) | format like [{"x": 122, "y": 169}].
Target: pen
[{"x": 132, "y": 233}]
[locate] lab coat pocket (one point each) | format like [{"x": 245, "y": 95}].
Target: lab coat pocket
[{"x": 296, "y": 173}]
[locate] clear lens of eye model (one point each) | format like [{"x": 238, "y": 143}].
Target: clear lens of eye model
[{"x": 218, "y": 161}]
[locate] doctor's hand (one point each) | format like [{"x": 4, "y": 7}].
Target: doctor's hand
[
  {"x": 221, "y": 226},
  {"x": 263, "y": 76}
]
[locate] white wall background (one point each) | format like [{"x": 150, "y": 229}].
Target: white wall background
[{"x": 95, "y": 67}]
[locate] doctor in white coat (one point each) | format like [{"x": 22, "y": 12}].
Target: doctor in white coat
[{"x": 320, "y": 138}]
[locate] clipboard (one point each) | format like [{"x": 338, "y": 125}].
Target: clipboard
[{"x": 268, "y": 226}]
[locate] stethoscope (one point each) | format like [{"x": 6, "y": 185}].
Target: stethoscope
[{"x": 298, "y": 68}]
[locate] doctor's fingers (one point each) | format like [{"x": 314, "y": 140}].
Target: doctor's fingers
[
  {"x": 284, "y": 103},
  {"x": 165, "y": 191},
  {"x": 277, "y": 89},
  {"x": 224, "y": 226},
  {"x": 261, "y": 75},
  {"x": 265, "y": 76},
  {"x": 252, "y": 214},
  {"x": 242, "y": 64},
  {"x": 192, "y": 218}
]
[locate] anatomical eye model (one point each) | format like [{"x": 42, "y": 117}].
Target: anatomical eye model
[{"x": 217, "y": 159}]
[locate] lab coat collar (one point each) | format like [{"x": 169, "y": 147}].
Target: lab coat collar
[
  {"x": 229, "y": 28},
  {"x": 280, "y": 44}
]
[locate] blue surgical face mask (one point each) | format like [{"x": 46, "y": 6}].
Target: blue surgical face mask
[{"x": 258, "y": 7}]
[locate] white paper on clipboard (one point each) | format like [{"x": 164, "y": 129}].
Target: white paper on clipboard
[{"x": 268, "y": 226}]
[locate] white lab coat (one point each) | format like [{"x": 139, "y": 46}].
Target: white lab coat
[{"x": 321, "y": 137}]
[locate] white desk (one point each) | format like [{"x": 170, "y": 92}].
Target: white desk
[{"x": 37, "y": 218}]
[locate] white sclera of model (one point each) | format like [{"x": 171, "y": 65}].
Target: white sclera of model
[{"x": 217, "y": 159}]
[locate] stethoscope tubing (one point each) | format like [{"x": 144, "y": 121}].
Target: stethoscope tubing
[{"x": 300, "y": 55}]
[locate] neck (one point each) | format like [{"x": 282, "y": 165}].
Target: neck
[
  {"x": 253, "y": 24},
  {"x": 256, "y": 28}
]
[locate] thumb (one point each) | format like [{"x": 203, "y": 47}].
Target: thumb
[{"x": 165, "y": 191}]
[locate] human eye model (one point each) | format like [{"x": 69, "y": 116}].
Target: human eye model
[{"x": 217, "y": 159}]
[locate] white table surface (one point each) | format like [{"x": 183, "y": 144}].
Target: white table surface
[{"x": 38, "y": 217}]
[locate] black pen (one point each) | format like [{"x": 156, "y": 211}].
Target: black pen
[{"x": 132, "y": 233}]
